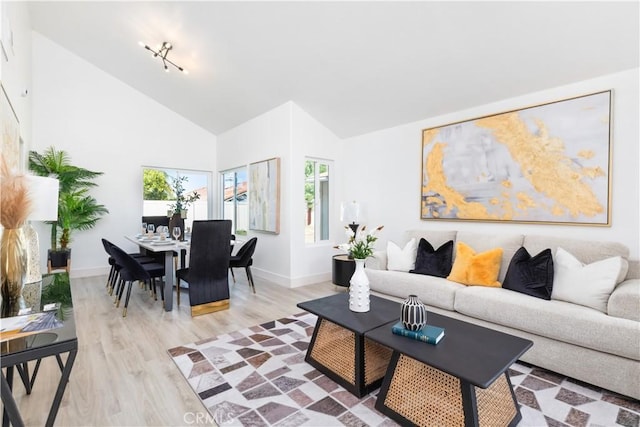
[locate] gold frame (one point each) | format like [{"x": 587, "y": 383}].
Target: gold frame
[{"x": 555, "y": 150}]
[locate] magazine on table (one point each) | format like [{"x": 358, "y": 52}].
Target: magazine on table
[{"x": 17, "y": 326}]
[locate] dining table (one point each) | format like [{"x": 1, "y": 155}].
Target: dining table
[
  {"x": 155, "y": 243},
  {"x": 167, "y": 246}
]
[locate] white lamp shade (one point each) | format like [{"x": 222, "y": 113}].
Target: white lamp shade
[
  {"x": 43, "y": 193},
  {"x": 349, "y": 211}
]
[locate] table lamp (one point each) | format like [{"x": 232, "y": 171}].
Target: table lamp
[
  {"x": 349, "y": 212},
  {"x": 43, "y": 193}
]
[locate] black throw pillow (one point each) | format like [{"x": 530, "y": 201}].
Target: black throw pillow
[
  {"x": 530, "y": 275},
  {"x": 434, "y": 262}
]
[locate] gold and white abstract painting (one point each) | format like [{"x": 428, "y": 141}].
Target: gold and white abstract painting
[{"x": 548, "y": 163}]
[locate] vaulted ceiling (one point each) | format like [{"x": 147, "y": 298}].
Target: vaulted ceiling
[{"x": 355, "y": 66}]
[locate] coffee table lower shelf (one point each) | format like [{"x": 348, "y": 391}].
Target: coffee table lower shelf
[
  {"x": 348, "y": 358},
  {"x": 414, "y": 393}
]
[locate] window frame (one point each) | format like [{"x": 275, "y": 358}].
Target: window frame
[
  {"x": 182, "y": 172},
  {"x": 221, "y": 199},
  {"x": 325, "y": 211}
]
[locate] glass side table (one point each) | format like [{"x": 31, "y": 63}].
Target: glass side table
[{"x": 17, "y": 349}]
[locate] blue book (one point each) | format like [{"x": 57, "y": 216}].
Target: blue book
[{"x": 429, "y": 334}]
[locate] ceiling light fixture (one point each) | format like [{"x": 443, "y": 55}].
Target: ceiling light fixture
[{"x": 162, "y": 53}]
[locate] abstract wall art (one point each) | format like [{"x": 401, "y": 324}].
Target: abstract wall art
[
  {"x": 549, "y": 163},
  {"x": 264, "y": 195}
]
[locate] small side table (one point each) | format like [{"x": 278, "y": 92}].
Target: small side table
[
  {"x": 342, "y": 270},
  {"x": 338, "y": 346}
]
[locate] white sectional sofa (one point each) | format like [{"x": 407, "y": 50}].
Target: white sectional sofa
[{"x": 581, "y": 342}]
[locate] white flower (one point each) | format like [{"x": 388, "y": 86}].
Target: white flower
[
  {"x": 361, "y": 243},
  {"x": 344, "y": 247}
]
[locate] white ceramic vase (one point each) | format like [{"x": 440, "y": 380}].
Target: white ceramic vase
[{"x": 359, "y": 289}]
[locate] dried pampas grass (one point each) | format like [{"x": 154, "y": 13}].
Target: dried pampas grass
[{"x": 15, "y": 204}]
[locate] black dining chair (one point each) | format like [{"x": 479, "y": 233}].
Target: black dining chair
[
  {"x": 208, "y": 262},
  {"x": 113, "y": 271},
  {"x": 130, "y": 271},
  {"x": 244, "y": 258},
  {"x": 111, "y": 278},
  {"x": 157, "y": 221}
]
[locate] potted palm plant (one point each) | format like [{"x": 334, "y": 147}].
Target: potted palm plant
[{"x": 77, "y": 209}]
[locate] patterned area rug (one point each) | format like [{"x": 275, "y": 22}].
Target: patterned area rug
[{"x": 258, "y": 377}]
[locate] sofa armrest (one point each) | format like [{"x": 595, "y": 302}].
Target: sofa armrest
[
  {"x": 624, "y": 301},
  {"x": 377, "y": 261}
]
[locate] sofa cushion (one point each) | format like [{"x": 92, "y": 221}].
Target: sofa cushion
[
  {"x": 401, "y": 259},
  {"x": 473, "y": 268},
  {"x": 586, "y": 284},
  {"x": 530, "y": 275},
  {"x": 481, "y": 242},
  {"x": 433, "y": 291},
  {"x": 557, "y": 320},
  {"x": 624, "y": 301},
  {"x": 377, "y": 261},
  {"x": 433, "y": 262},
  {"x": 587, "y": 251}
]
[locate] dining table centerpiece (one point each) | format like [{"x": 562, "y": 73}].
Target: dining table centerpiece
[
  {"x": 360, "y": 246},
  {"x": 178, "y": 210}
]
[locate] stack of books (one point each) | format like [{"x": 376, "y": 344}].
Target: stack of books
[{"x": 429, "y": 334}]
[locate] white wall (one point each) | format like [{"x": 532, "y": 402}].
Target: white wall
[
  {"x": 290, "y": 133},
  {"x": 261, "y": 138},
  {"x": 107, "y": 126},
  {"x": 385, "y": 171},
  {"x": 311, "y": 263},
  {"x": 16, "y": 71}
]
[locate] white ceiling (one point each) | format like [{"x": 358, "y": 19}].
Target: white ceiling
[{"x": 355, "y": 66}]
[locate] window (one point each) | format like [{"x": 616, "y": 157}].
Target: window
[
  {"x": 316, "y": 197},
  {"x": 235, "y": 202},
  {"x": 159, "y": 194}
]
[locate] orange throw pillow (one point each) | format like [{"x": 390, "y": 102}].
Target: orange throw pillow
[{"x": 470, "y": 268}]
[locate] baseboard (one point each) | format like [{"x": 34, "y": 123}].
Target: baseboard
[
  {"x": 289, "y": 282},
  {"x": 278, "y": 279}
]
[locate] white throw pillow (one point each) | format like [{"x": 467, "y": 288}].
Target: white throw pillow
[
  {"x": 589, "y": 285},
  {"x": 402, "y": 259}
]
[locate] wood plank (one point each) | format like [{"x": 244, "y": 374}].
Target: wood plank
[{"x": 123, "y": 374}]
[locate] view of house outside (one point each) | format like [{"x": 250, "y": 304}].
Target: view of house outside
[
  {"x": 159, "y": 195},
  {"x": 316, "y": 195},
  {"x": 235, "y": 203}
]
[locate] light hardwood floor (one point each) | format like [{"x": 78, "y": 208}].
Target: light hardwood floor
[{"x": 123, "y": 375}]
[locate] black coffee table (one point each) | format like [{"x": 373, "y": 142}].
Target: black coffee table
[
  {"x": 338, "y": 346},
  {"x": 463, "y": 380}
]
